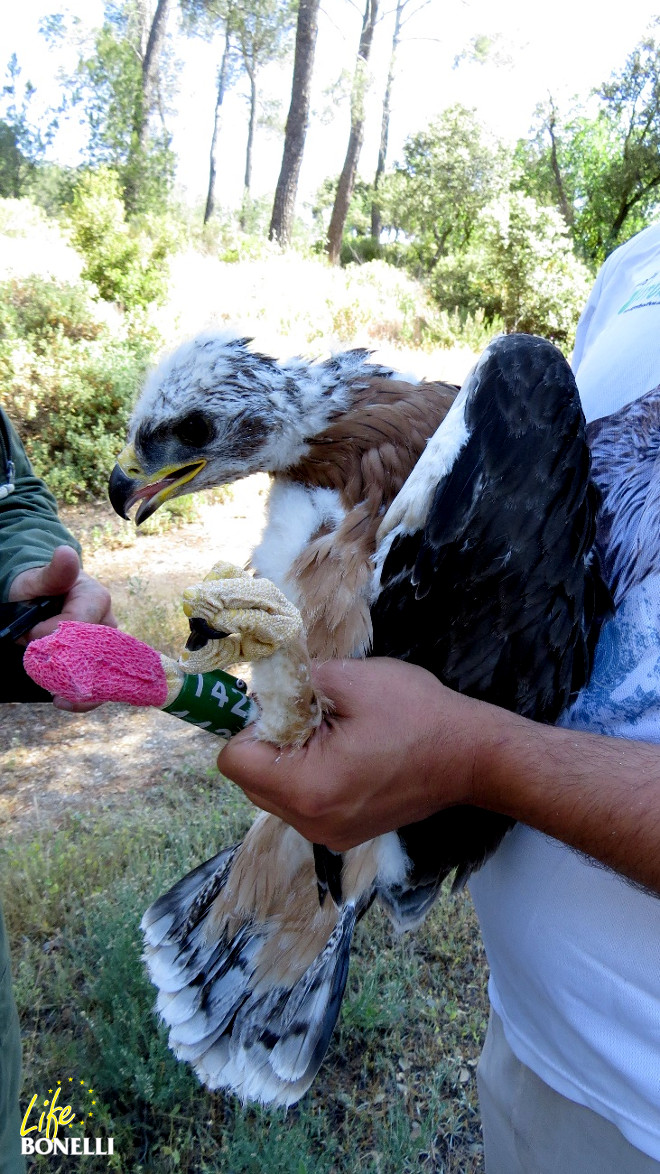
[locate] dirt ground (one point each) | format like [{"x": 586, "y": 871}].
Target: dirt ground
[{"x": 53, "y": 763}]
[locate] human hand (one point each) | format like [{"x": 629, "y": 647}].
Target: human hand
[
  {"x": 397, "y": 747},
  {"x": 85, "y": 599}
]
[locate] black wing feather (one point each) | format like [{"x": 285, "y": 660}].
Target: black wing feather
[{"x": 500, "y": 595}]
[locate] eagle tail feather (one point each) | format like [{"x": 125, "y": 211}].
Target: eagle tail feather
[
  {"x": 408, "y": 905},
  {"x": 250, "y": 976}
]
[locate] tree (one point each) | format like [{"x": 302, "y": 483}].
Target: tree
[
  {"x": 262, "y": 34},
  {"x": 21, "y": 143},
  {"x": 146, "y": 99},
  {"x": 565, "y": 164},
  {"x": 122, "y": 88},
  {"x": 349, "y": 170},
  {"x": 518, "y": 273},
  {"x": 448, "y": 176},
  {"x": 221, "y": 89},
  {"x": 632, "y": 105},
  {"x": 399, "y": 21},
  {"x": 254, "y": 34},
  {"x": 530, "y": 277},
  {"x": 15, "y": 167},
  {"x": 296, "y": 124},
  {"x": 207, "y": 18},
  {"x": 602, "y": 169}
]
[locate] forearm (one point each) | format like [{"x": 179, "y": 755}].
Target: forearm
[
  {"x": 599, "y": 795},
  {"x": 399, "y": 746},
  {"x": 29, "y": 540}
]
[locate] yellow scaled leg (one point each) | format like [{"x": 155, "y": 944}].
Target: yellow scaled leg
[
  {"x": 256, "y": 616},
  {"x": 262, "y": 627}
]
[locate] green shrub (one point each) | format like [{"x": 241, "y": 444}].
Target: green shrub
[
  {"x": 126, "y": 260},
  {"x": 360, "y": 249},
  {"x": 51, "y": 187},
  {"x": 41, "y": 310},
  {"x": 470, "y": 329},
  {"x": 536, "y": 283},
  {"x": 520, "y": 270},
  {"x": 68, "y": 382}
]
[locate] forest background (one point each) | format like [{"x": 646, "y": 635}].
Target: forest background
[
  {"x": 338, "y": 200},
  {"x": 455, "y": 235}
]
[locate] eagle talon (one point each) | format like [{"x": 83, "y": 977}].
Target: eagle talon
[
  {"x": 235, "y": 617},
  {"x": 201, "y": 633}
]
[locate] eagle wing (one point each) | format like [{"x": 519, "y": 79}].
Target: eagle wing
[
  {"x": 495, "y": 590},
  {"x": 489, "y": 579}
]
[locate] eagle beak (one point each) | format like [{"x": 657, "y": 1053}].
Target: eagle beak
[{"x": 130, "y": 483}]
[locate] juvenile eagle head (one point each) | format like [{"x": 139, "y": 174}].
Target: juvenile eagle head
[{"x": 215, "y": 411}]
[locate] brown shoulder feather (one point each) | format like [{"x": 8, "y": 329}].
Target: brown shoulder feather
[{"x": 365, "y": 454}]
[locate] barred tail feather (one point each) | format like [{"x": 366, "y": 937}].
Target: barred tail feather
[
  {"x": 280, "y": 1038},
  {"x": 407, "y": 905},
  {"x": 249, "y": 968}
]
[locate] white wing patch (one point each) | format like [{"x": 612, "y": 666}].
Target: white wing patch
[
  {"x": 410, "y": 507},
  {"x": 409, "y": 510}
]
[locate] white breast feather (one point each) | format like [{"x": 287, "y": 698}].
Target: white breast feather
[{"x": 295, "y": 513}]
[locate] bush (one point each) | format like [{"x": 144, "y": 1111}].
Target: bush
[
  {"x": 520, "y": 270},
  {"x": 126, "y": 261},
  {"x": 290, "y": 302},
  {"x": 536, "y": 284},
  {"x": 40, "y": 310},
  {"x": 51, "y": 187},
  {"x": 382, "y": 302},
  {"x": 67, "y": 381},
  {"x": 360, "y": 249}
]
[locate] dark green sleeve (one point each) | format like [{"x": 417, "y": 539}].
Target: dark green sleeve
[{"x": 30, "y": 529}]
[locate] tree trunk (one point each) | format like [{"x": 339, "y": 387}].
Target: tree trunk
[
  {"x": 222, "y": 80},
  {"x": 349, "y": 170},
  {"x": 565, "y": 208},
  {"x": 247, "y": 182},
  {"x": 150, "y": 65},
  {"x": 145, "y": 100},
  {"x": 626, "y": 206},
  {"x": 376, "y": 224},
  {"x": 297, "y": 122}
]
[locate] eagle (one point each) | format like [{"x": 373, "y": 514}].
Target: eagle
[{"x": 451, "y": 528}]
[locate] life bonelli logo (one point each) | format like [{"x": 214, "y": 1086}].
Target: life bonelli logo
[{"x": 50, "y": 1116}]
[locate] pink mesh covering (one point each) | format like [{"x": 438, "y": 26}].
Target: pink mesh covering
[{"x": 90, "y": 663}]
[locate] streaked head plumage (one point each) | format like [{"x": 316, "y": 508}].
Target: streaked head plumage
[{"x": 216, "y": 410}]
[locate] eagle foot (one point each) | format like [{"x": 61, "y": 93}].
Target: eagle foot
[
  {"x": 257, "y": 618},
  {"x": 264, "y": 628}
]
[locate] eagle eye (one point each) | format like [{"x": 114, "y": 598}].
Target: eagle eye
[{"x": 194, "y": 430}]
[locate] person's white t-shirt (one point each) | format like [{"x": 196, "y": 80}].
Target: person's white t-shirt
[{"x": 574, "y": 949}]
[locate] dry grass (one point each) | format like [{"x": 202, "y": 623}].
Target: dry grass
[{"x": 291, "y": 304}]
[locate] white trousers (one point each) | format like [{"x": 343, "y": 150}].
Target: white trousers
[{"x": 531, "y": 1129}]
